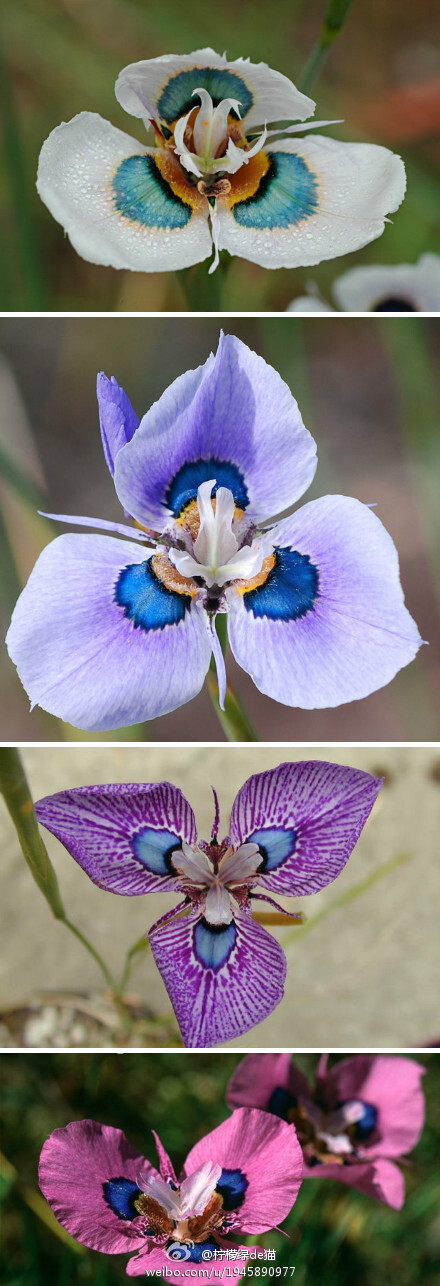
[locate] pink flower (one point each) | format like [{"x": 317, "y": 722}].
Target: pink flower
[
  {"x": 241, "y": 1178},
  {"x": 359, "y": 1116}
]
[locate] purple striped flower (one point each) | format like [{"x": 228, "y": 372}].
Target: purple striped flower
[
  {"x": 108, "y": 633},
  {"x": 241, "y": 1178},
  {"x": 360, "y": 1117},
  {"x": 291, "y": 832}
]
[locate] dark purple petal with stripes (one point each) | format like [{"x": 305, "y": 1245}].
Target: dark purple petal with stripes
[
  {"x": 217, "y": 999},
  {"x": 122, "y": 835},
  {"x": 306, "y": 818}
]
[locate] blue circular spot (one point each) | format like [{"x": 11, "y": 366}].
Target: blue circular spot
[
  {"x": 154, "y": 849},
  {"x": 276, "y": 844},
  {"x": 287, "y": 194},
  {"x": 177, "y": 98},
  {"x": 189, "y": 478},
  {"x": 232, "y": 1187},
  {"x": 213, "y": 943},
  {"x": 367, "y": 1123},
  {"x": 146, "y": 601},
  {"x": 143, "y": 195},
  {"x": 289, "y": 591},
  {"x": 120, "y": 1195},
  {"x": 281, "y": 1103}
]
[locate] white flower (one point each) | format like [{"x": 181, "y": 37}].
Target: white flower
[
  {"x": 381, "y": 288},
  {"x": 219, "y": 175}
]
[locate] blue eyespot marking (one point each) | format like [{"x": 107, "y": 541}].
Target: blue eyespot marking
[
  {"x": 213, "y": 943},
  {"x": 146, "y": 600},
  {"x": 287, "y": 194},
  {"x": 281, "y": 1103},
  {"x": 189, "y": 478},
  {"x": 367, "y": 1124},
  {"x": 143, "y": 195},
  {"x": 192, "y": 1254},
  {"x": 232, "y": 1186},
  {"x": 394, "y": 305},
  {"x": 120, "y": 1195},
  {"x": 176, "y": 98},
  {"x": 276, "y": 844},
  {"x": 154, "y": 849},
  {"x": 289, "y": 591}
]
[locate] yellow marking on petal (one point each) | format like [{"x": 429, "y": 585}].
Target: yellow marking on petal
[
  {"x": 171, "y": 578},
  {"x": 246, "y": 181},
  {"x": 189, "y": 518},
  {"x": 243, "y": 586},
  {"x": 171, "y": 170}
]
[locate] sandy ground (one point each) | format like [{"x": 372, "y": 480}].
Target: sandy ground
[{"x": 366, "y": 976}]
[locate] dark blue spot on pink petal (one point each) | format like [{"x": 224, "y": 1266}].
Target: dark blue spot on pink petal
[
  {"x": 154, "y": 849},
  {"x": 367, "y": 1123},
  {"x": 232, "y": 1187},
  {"x": 213, "y": 943},
  {"x": 276, "y": 844},
  {"x": 192, "y": 1254},
  {"x": 146, "y": 601},
  {"x": 281, "y": 1103},
  {"x": 120, "y": 1195},
  {"x": 290, "y": 590},
  {"x": 189, "y": 478}
]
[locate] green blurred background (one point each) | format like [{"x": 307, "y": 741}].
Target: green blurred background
[
  {"x": 368, "y": 391},
  {"x": 337, "y": 1237},
  {"x": 63, "y": 56}
]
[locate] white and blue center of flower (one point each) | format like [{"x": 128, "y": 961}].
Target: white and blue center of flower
[
  {"x": 209, "y": 550},
  {"x": 217, "y": 886},
  {"x": 327, "y": 1135},
  {"x": 181, "y": 1217}
]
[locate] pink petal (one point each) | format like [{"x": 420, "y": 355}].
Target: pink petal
[
  {"x": 381, "y": 1179},
  {"x": 392, "y": 1084},
  {"x": 255, "y": 1079},
  {"x": 267, "y": 1152},
  {"x": 74, "y": 1164}
]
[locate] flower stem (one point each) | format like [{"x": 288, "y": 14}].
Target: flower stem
[
  {"x": 204, "y": 293},
  {"x": 93, "y": 952},
  {"x": 349, "y": 895},
  {"x": 18, "y": 800},
  {"x": 333, "y": 23},
  {"x": 234, "y": 720},
  {"x": 15, "y": 790},
  {"x": 140, "y": 947}
]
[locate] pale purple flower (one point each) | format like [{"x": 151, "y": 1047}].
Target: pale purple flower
[
  {"x": 361, "y": 1116},
  {"x": 291, "y": 832},
  {"x": 108, "y": 633},
  {"x": 220, "y": 176},
  {"x": 241, "y": 1178}
]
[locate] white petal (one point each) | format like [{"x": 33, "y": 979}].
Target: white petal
[
  {"x": 363, "y": 289},
  {"x": 237, "y": 867},
  {"x": 77, "y": 168},
  {"x": 268, "y": 96},
  {"x": 160, "y": 1191},
  {"x": 194, "y": 864},
  {"x": 337, "y": 204},
  {"x": 309, "y": 304},
  {"x": 218, "y": 909},
  {"x": 196, "y": 1191},
  {"x": 215, "y": 543}
]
